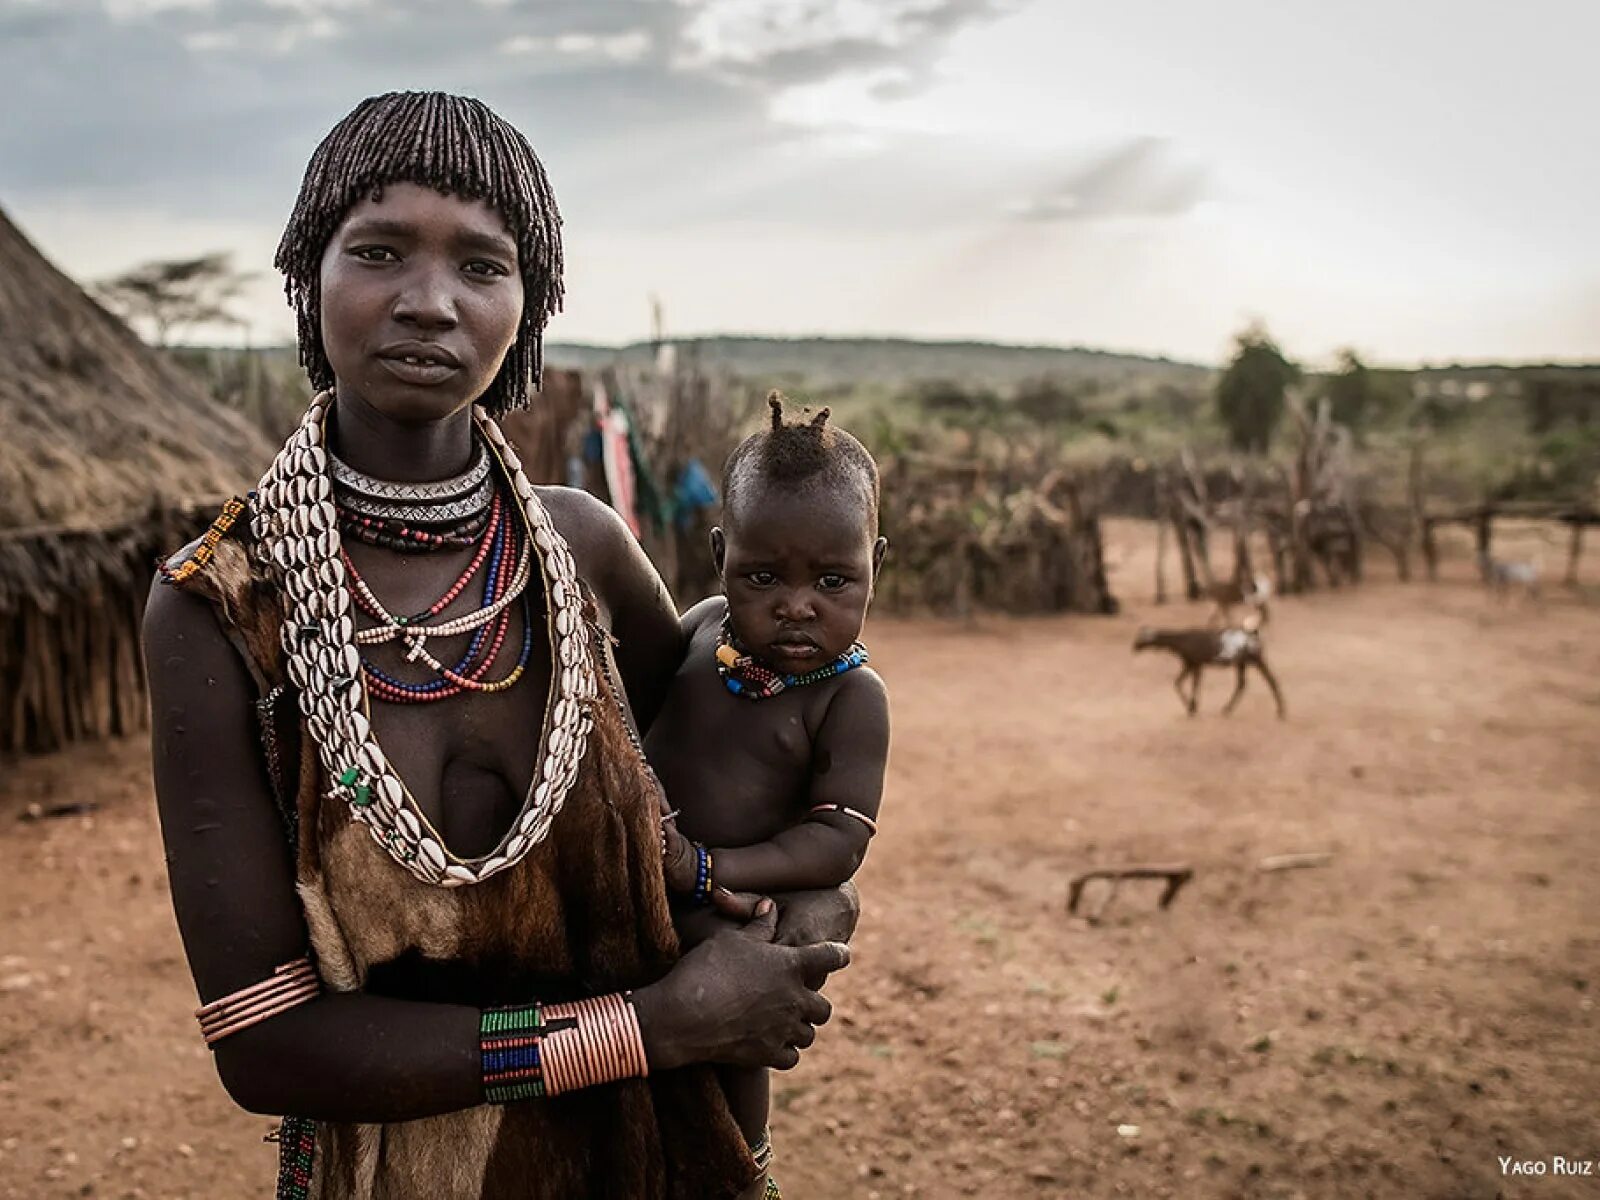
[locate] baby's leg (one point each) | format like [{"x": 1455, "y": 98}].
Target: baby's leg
[{"x": 746, "y": 1089}]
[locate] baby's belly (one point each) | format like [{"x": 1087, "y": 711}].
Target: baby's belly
[{"x": 733, "y": 807}]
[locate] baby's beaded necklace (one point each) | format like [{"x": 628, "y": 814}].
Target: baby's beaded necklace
[{"x": 746, "y": 676}]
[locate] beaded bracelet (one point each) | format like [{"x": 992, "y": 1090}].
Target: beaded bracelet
[
  {"x": 547, "y": 1050},
  {"x": 289, "y": 986},
  {"x": 509, "y": 1044},
  {"x": 702, "y": 875}
]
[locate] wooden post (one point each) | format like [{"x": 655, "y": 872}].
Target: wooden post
[
  {"x": 1180, "y": 529},
  {"x": 1244, "y": 571},
  {"x": 1161, "y": 560},
  {"x": 1280, "y": 566},
  {"x": 1202, "y": 544},
  {"x": 1574, "y": 549},
  {"x": 1485, "y": 539},
  {"x": 1430, "y": 549}
]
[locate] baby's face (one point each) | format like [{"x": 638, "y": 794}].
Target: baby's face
[{"x": 797, "y": 568}]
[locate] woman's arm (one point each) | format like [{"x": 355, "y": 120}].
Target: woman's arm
[
  {"x": 349, "y": 1057},
  {"x": 354, "y": 1057}
]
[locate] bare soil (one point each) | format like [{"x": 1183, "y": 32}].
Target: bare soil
[{"x": 1388, "y": 1024}]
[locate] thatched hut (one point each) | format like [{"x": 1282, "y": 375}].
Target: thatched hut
[{"x": 108, "y": 456}]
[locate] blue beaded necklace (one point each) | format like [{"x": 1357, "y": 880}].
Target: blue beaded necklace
[{"x": 745, "y": 676}]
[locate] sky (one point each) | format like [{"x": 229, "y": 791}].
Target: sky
[{"x": 1419, "y": 181}]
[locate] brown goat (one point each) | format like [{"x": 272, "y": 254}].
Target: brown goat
[
  {"x": 1234, "y": 593},
  {"x": 1201, "y": 648}
]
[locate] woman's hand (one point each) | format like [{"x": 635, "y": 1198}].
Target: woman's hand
[{"x": 739, "y": 998}]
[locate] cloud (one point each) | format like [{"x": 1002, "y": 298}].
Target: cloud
[
  {"x": 618, "y": 47},
  {"x": 779, "y": 43},
  {"x": 1143, "y": 177}
]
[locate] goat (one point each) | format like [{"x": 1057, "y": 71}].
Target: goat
[
  {"x": 1227, "y": 596},
  {"x": 1502, "y": 576},
  {"x": 1201, "y": 648}
]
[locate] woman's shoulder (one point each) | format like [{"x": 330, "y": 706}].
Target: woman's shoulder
[
  {"x": 579, "y": 516},
  {"x": 608, "y": 557}
]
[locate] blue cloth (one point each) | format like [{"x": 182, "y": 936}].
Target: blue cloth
[{"x": 693, "y": 492}]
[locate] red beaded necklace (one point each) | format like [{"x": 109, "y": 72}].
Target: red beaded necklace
[{"x": 504, "y": 546}]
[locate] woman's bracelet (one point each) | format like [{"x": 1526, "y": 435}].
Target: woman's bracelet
[
  {"x": 289, "y": 986},
  {"x": 549, "y": 1049}
]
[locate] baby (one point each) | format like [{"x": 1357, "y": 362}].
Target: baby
[{"x": 774, "y": 737}]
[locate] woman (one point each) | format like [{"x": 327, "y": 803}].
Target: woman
[{"x": 461, "y": 979}]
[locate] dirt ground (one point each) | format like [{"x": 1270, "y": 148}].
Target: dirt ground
[{"x": 1386, "y": 1025}]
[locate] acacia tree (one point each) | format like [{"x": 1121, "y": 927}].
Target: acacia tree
[
  {"x": 1251, "y": 392},
  {"x": 171, "y": 294}
]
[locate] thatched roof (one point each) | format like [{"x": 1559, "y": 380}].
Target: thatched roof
[
  {"x": 97, "y": 425},
  {"x": 99, "y": 435}
]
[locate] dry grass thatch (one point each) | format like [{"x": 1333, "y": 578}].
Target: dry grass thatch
[{"x": 108, "y": 455}]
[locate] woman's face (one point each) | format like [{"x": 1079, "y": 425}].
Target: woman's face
[{"x": 421, "y": 300}]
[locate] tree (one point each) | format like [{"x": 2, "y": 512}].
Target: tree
[
  {"x": 1048, "y": 401},
  {"x": 174, "y": 293},
  {"x": 1250, "y": 394},
  {"x": 1351, "y": 394}
]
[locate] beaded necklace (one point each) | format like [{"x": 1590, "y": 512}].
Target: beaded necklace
[
  {"x": 503, "y": 586},
  {"x": 407, "y": 539},
  {"x": 297, "y": 538},
  {"x": 414, "y": 518},
  {"x": 746, "y": 676}
]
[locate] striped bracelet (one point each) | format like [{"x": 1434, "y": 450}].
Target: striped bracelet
[
  {"x": 547, "y": 1050},
  {"x": 289, "y": 986}
]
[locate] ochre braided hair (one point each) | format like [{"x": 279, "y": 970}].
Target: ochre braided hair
[
  {"x": 799, "y": 453},
  {"x": 455, "y": 145}
]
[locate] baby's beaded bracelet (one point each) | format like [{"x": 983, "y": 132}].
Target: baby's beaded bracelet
[{"x": 702, "y": 874}]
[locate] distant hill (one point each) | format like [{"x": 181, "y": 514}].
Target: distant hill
[{"x": 833, "y": 362}]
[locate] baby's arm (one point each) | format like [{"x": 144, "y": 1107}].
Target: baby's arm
[{"x": 848, "y": 760}]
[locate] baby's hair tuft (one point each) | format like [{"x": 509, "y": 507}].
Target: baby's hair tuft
[{"x": 799, "y": 452}]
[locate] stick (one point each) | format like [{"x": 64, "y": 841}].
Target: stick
[
  {"x": 1176, "y": 875},
  {"x": 1288, "y": 862}
]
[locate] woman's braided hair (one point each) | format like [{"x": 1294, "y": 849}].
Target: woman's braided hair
[
  {"x": 805, "y": 451},
  {"x": 455, "y": 145}
]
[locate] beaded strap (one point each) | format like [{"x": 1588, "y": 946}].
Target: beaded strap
[
  {"x": 203, "y": 553},
  {"x": 297, "y": 1151}
]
